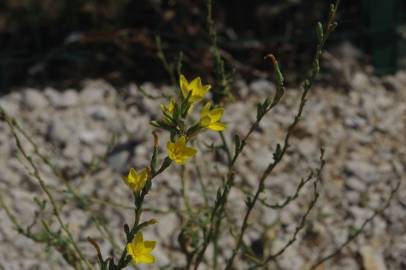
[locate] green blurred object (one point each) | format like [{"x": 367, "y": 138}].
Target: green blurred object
[{"x": 381, "y": 22}]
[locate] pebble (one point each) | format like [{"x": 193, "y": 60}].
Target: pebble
[
  {"x": 362, "y": 169},
  {"x": 34, "y": 99},
  {"x": 94, "y": 91},
  {"x": 59, "y": 131},
  {"x": 68, "y": 98},
  {"x": 372, "y": 258},
  {"x": 99, "y": 112},
  {"x": 262, "y": 87},
  {"x": 356, "y": 184},
  {"x": 362, "y": 131},
  {"x": 118, "y": 160}
]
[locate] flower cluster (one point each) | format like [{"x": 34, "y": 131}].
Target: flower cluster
[
  {"x": 181, "y": 132},
  {"x": 176, "y": 112}
]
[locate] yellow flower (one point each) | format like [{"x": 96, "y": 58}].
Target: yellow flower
[
  {"x": 140, "y": 250},
  {"x": 179, "y": 152},
  {"x": 170, "y": 108},
  {"x": 210, "y": 118},
  {"x": 136, "y": 181},
  {"x": 195, "y": 86}
]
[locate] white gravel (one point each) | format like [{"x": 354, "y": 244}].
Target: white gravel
[{"x": 361, "y": 125}]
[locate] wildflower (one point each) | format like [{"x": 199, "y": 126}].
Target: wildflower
[
  {"x": 210, "y": 118},
  {"x": 136, "y": 181},
  {"x": 170, "y": 108},
  {"x": 179, "y": 152},
  {"x": 195, "y": 86},
  {"x": 140, "y": 250}
]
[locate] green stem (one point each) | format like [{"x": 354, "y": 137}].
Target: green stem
[
  {"x": 278, "y": 156},
  {"x": 44, "y": 187},
  {"x": 184, "y": 189},
  {"x": 201, "y": 183},
  {"x": 225, "y": 147}
]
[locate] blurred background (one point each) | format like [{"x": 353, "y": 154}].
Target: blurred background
[{"x": 61, "y": 42}]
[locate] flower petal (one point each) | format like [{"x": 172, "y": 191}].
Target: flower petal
[
  {"x": 217, "y": 126},
  {"x": 180, "y": 160},
  {"x": 171, "y": 106},
  {"x": 205, "y": 121},
  {"x": 189, "y": 151},
  {"x": 145, "y": 258},
  {"x": 184, "y": 85},
  {"x": 170, "y": 149},
  {"x": 204, "y": 89},
  {"x": 216, "y": 114},
  {"x": 195, "y": 84},
  {"x": 181, "y": 141},
  {"x": 150, "y": 244},
  {"x": 138, "y": 238},
  {"x": 206, "y": 110},
  {"x": 133, "y": 174},
  {"x": 130, "y": 250},
  {"x": 143, "y": 175},
  {"x": 170, "y": 146}
]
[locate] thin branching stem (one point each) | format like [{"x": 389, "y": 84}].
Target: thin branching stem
[
  {"x": 290, "y": 198},
  {"x": 361, "y": 229},
  {"x": 303, "y": 219},
  {"x": 184, "y": 189},
  {"x": 137, "y": 226},
  {"x": 85, "y": 201},
  {"x": 217, "y": 210},
  {"x": 44, "y": 187},
  {"x": 280, "y": 152},
  {"x": 223, "y": 87},
  {"x": 222, "y": 198},
  {"x": 161, "y": 55},
  {"x": 201, "y": 183},
  {"x": 226, "y": 148}
]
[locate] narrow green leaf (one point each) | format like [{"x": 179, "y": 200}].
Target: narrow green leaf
[
  {"x": 259, "y": 111},
  {"x": 266, "y": 104},
  {"x": 277, "y": 153}
]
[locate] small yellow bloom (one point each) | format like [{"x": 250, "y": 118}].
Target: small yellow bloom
[
  {"x": 179, "y": 152},
  {"x": 140, "y": 250},
  {"x": 195, "y": 86},
  {"x": 210, "y": 118},
  {"x": 170, "y": 108},
  {"x": 136, "y": 181}
]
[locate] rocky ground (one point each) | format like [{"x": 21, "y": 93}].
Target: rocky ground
[{"x": 95, "y": 133}]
